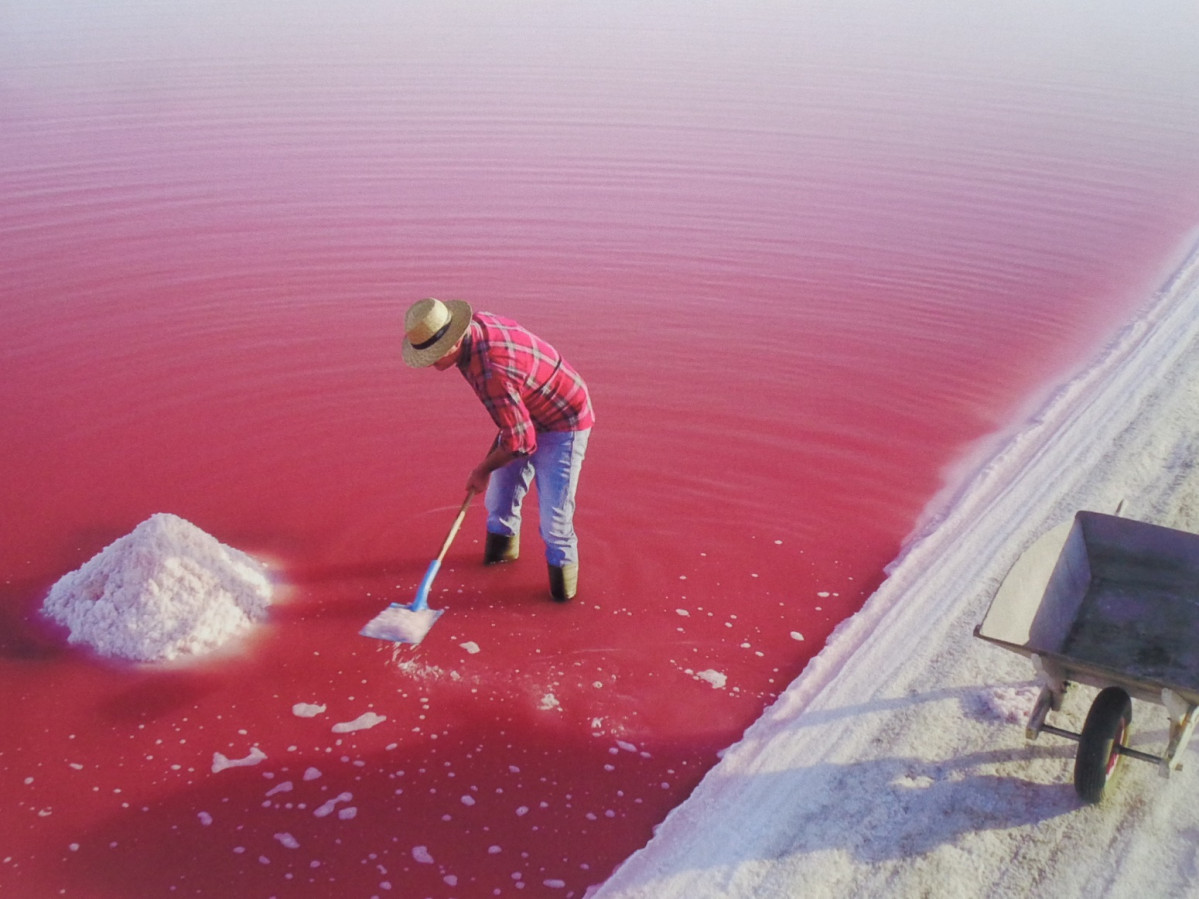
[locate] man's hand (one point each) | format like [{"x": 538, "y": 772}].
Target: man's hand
[
  {"x": 477, "y": 482},
  {"x": 481, "y": 474}
]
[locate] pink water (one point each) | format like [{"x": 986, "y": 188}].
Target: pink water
[{"x": 805, "y": 259}]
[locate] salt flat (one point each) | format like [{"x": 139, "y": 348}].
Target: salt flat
[{"x": 896, "y": 764}]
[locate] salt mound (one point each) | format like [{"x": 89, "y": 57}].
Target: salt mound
[{"x": 164, "y": 590}]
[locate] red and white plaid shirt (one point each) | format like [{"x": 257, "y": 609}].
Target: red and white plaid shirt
[{"x": 524, "y": 383}]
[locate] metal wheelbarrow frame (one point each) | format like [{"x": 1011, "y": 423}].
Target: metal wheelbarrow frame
[{"x": 1111, "y": 603}]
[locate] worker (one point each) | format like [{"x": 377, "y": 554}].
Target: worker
[{"x": 543, "y": 411}]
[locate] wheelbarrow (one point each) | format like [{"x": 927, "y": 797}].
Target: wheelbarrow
[{"x": 1110, "y": 603}]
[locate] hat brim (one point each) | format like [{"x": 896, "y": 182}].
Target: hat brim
[{"x": 460, "y": 313}]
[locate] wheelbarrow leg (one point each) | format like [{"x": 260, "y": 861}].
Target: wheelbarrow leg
[
  {"x": 1040, "y": 711},
  {"x": 1053, "y": 691},
  {"x": 1182, "y": 725}
]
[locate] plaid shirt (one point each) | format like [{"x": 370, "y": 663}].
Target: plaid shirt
[{"x": 523, "y": 382}]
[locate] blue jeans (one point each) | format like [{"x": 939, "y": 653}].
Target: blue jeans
[{"x": 555, "y": 468}]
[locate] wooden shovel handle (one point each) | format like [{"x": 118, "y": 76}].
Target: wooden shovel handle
[{"x": 445, "y": 547}]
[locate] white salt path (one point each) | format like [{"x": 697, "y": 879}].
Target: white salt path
[
  {"x": 888, "y": 767},
  {"x": 166, "y": 589}
]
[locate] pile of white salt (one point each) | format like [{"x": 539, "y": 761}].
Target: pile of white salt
[{"x": 165, "y": 590}]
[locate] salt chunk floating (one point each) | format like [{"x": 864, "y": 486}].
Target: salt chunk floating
[
  {"x": 307, "y": 710},
  {"x": 288, "y": 840},
  {"x": 220, "y": 761},
  {"x": 362, "y": 722},
  {"x": 327, "y": 809},
  {"x": 166, "y": 589}
]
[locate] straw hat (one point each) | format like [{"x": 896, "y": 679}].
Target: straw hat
[{"x": 431, "y": 328}]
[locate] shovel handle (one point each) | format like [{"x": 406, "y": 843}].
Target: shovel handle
[{"x": 445, "y": 547}]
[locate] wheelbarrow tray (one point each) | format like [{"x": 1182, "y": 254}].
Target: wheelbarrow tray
[
  {"x": 1110, "y": 600},
  {"x": 1112, "y": 603}
]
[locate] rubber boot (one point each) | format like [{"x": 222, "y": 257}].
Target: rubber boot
[
  {"x": 564, "y": 581},
  {"x": 501, "y": 548}
]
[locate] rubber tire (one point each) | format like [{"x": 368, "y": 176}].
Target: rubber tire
[{"x": 1107, "y": 726}]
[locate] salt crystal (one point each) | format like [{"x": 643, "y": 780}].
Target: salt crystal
[
  {"x": 421, "y": 854},
  {"x": 307, "y": 710},
  {"x": 715, "y": 678},
  {"x": 362, "y": 722},
  {"x": 328, "y": 807},
  {"x": 166, "y": 589},
  {"x": 1010, "y": 704},
  {"x": 220, "y": 762}
]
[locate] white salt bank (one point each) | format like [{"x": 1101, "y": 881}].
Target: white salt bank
[{"x": 165, "y": 590}]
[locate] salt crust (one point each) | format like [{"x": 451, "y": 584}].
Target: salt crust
[{"x": 165, "y": 590}]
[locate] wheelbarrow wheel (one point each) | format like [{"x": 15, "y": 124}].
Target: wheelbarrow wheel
[{"x": 1106, "y": 729}]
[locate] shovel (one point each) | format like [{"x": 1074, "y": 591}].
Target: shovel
[{"x": 410, "y": 623}]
